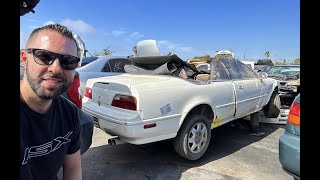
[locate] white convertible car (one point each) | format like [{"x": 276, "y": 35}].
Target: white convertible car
[{"x": 162, "y": 97}]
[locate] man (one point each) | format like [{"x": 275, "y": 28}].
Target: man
[{"x": 49, "y": 124}]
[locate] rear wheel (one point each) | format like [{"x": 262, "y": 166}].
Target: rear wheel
[
  {"x": 193, "y": 137},
  {"x": 272, "y": 109}
]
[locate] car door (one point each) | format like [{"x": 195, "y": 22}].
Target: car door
[
  {"x": 247, "y": 86},
  {"x": 222, "y": 82}
]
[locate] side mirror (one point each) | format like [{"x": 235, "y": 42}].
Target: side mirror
[{"x": 262, "y": 75}]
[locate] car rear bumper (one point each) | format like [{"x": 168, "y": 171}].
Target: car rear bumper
[
  {"x": 289, "y": 153},
  {"x": 131, "y": 129}
]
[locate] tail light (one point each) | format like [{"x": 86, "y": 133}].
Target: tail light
[
  {"x": 294, "y": 114},
  {"x": 73, "y": 92},
  {"x": 88, "y": 93},
  {"x": 125, "y": 102}
]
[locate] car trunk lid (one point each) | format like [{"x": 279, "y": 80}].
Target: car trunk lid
[{"x": 105, "y": 89}]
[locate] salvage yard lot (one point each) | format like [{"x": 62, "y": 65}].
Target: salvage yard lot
[{"x": 232, "y": 154}]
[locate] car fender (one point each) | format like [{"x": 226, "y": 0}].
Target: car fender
[{"x": 193, "y": 103}]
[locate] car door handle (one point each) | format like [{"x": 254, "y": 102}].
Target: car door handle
[{"x": 240, "y": 87}]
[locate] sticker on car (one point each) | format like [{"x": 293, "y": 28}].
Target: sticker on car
[{"x": 165, "y": 110}]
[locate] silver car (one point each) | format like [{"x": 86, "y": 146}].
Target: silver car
[{"x": 104, "y": 66}]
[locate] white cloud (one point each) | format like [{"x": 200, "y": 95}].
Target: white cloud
[
  {"x": 186, "y": 49},
  {"x": 33, "y": 27},
  {"x": 116, "y": 33},
  {"x": 78, "y": 26},
  {"x": 168, "y": 45},
  {"x": 163, "y": 42},
  {"x": 48, "y": 22},
  {"x": 136, "y": 35},
  {"x": 184, "y": 52},
  {"x": 33, "y": 20},
  {"x": 173, "y": 46}
]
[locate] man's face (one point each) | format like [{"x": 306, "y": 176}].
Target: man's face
[{"x": 49, "y": 81}]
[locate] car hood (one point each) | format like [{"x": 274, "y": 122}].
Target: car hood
[{"x": 283, "y": 77}]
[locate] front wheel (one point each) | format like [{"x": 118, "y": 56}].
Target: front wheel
[
  {"x": 193, "y": 137},
  {"x": 272, "y": 109}
]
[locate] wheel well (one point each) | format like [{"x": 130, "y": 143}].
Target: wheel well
[{"x": 203, "y": 109}]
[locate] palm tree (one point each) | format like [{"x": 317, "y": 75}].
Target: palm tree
[
  {"x": 105, "y": 52},
  {"x": 135, "y": 51},
  {"x": 267, "y": 54}
]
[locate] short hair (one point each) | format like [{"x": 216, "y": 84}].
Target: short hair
[{"x": 63, "y": 30}]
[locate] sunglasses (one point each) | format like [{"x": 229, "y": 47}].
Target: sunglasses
[{"x": 45, "y": 57}]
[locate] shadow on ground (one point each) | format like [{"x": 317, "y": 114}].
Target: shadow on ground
[{"x": 159, "y": 160}]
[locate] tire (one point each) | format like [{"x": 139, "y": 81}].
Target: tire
[
  {"x": 272, "y": 109},
  {"x": 195, "y": 128}
]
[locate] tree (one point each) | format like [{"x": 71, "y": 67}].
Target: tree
[
  {"x": 135, "y": 51},
  {"x": 296, "y": 61},
  {"x": 105, "y": 52},
  {"x": 267, "y": 54}
]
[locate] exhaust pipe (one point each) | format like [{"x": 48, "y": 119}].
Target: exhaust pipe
[{"x": 115, "y": 141}]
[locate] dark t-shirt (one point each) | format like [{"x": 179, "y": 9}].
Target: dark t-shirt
[{"x": 46, "y": 138}]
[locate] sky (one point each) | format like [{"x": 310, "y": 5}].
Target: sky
[{"x": 187, "y": 28}]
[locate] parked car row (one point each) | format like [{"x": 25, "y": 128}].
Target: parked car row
[{"x": 288, "y": 77}]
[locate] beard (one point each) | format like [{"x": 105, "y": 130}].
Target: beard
[{"x": 49, "y": 93}]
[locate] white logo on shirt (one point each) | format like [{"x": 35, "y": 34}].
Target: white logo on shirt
[{"x": 46, "y": 148}]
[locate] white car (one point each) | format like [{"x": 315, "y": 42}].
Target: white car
[
  {"x": 161, "y": 97},
  {"x": 101, "y": 67}
]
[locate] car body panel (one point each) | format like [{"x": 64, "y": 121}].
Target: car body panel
[
  {"x": 289, "y": 153},
  {"x": 289, "y": 144},
  {"x": 247, "y": 95}
]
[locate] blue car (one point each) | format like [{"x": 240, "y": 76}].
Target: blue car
[{"x": 289, "y": 142}]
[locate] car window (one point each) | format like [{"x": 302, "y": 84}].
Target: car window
[
  {"x": 246, "y": 72},
  {"x": 218, "y": 72},
  {"x": 284, "y": 70},
  {"x": 204, "y": 67},
  {"x": 87, "y": 60},
  {"x": 106, "y": 67},
  {"x": 232, "y": 67},
  {"x": 189, "y": 71},
  {"x": 117, "y": 65}
]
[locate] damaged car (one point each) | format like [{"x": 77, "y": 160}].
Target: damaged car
[
  {"x": 162, "y": 97},
  {"x": 288, "y": 77}
]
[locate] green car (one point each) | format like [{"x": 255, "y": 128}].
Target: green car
[{"x": 289, "y": 142}]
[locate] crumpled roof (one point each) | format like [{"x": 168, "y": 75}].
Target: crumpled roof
[{"x": 157, "y": 63}]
